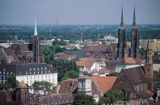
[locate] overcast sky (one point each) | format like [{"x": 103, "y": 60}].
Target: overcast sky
[{"x": 78, "y": 11}]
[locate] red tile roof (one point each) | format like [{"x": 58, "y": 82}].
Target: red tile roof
[
  {"x": 95, "y": 47},
  {"x": 104, "y": 83},
  {"x": 129, "y": 60},
  {"x": 68, "y": 86},
  {"x": 86, "y": 64}
]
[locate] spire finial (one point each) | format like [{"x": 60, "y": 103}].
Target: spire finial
[
  {"x": 35, "y": 27},
  {"x": 122, "y": 21},
  {"x": 134, "y": 17}
]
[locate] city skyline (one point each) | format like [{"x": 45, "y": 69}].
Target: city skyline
[{"x": 80, "y": 12}]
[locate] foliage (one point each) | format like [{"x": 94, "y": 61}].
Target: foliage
[
  {"x": 113, "y": 74},
  {"x": 74, "y": 32},
  {"x": 42, "y": 84},
  {"x": 83, "y": 99},
  {"x": 111, "y": 96},
  {"x": 86, "y": 73},
  {"x": 63, "y": 66},
  {"x": 142, "y": 51},
  {"x": 71, "y": 74},
  {"x": 10, "y": 82},
  {"x": 49, "y": 52}
]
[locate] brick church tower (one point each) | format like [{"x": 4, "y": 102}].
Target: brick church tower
[
  {"x": 149, "y": 61},
  {"x": 135, "y": 38},
  {"x": 148, "y": 69},
  {"x": 37, "y": 52},
  {"x": 121, "y": 39}
]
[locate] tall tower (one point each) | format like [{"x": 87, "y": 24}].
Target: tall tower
[
  {"x": 135, "y": 38},
  {"x": 149, "y": 61},
  {"x": 121, "y": 39},
  {"x": 148, "y": 70},
  {"x": 36, "y": 44}
]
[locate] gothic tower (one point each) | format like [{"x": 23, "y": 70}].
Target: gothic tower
[
  {"x": 134, "y": 35},
  {"x": 121, "y": 39},
  {"x": 36, "y": 45},
  {"x": 149, "y": 61}
]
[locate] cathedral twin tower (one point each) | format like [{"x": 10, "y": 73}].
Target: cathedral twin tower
[{"x": 121, "y": 46}]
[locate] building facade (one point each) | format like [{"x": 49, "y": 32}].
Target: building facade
[{"x": 29, "y": 73}]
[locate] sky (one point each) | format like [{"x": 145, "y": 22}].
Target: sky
[{"x": 78, "y": 12}]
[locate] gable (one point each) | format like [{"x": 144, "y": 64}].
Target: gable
[{"x": 122, "y": 82}]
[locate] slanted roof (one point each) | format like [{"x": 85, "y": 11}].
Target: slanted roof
[
  {"x": 135, "y": 75},
  {"x": 86, "y": 64},
  {"x": 68, "y": 86},
  {"x": 104, "y": 83},
  {"x": 25, "y": 69},
  {"x": 129, "y": 60},
  {"x": 54, "y": 99}
]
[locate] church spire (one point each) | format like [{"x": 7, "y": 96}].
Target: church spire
[
  {"x": 35, "y": 27},
  {"x": 122, "y": 21},
  {"x": 134, "y": 17}
]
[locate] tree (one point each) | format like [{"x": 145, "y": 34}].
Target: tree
[
  {"x": 83, "y": 99},
  {"x": 42, "y": 84},
  {"x": 113, "y": 74},
  {"x": 142, "y": 51},
  {"x": 11, "y": 81},
  {"x": 64, "y": 66},
  {"x": 71, "y": 74},
  {"x": 112, "y": 96},
  {"x": 49, "y": 52}
]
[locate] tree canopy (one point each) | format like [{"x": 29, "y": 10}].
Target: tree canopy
[
  {"x": 10, "y": 82},
  {"x": 83, "y": 99},
  {"x": 42, "y": 84}
]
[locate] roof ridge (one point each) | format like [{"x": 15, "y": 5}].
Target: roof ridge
[{"x": 129, "y": 80}]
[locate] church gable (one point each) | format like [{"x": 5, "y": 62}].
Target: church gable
[{"x": 122, "y": 82}]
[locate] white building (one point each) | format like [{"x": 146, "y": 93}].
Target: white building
[{"x": 29, "y": 73}]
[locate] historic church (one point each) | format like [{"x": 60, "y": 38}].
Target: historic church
[
  {"x": 122, "y": 50},
  {"x": 23, "y": 53},
  {"x": 26, "y": 62},
  {"x": 135, "y": 82}
]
